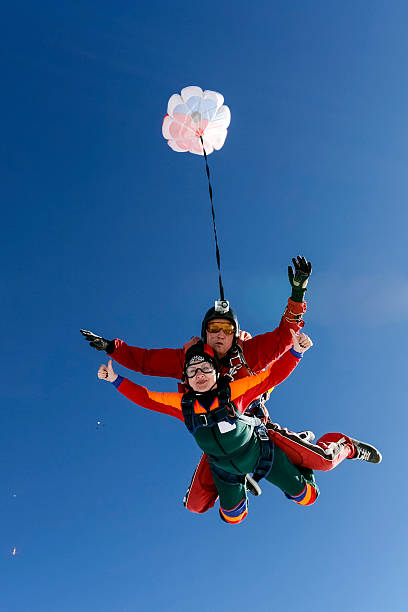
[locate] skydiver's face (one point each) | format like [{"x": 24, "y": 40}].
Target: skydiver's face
[
  {"x": 200, "y": 381},
  {"x": 219, "y": 341}
]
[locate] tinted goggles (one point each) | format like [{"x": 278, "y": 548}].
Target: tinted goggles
[
  {"x": 206, "y": 368},
  {"x": 227, "y": 327}
]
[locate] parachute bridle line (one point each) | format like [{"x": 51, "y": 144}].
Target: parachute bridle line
[{"x": 217, "y": 250}]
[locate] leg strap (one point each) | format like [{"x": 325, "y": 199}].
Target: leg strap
[{"x": 227, "y": 476}]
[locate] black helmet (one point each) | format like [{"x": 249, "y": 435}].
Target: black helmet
[{"x": 221, "y": 310}]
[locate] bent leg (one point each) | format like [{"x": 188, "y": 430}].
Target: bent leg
[
  {"x": 233, "y": 501},
  {"x": 202, "y": 493},
  {"x": 330, "y": 450},
  {"x": 297, "y": 483}
]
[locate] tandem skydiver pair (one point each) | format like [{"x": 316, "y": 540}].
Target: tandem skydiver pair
[{"x": 222, "y": 402}]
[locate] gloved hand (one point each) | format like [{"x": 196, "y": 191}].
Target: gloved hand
[
  {"x": 299, "y": 279},
  {"x": 101, "y": 344}
]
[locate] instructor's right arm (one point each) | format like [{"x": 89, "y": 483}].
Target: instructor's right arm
[{"x": 152, "y": 362}]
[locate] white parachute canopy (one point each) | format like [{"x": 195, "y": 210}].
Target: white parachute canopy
[{"x": 196, "y": 113}]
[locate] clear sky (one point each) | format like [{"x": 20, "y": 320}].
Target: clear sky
[{"x": 106, "y": 228}]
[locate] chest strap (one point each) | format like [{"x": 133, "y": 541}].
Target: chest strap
[{"x": 225, "y": 411}]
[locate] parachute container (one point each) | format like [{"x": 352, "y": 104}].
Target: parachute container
[{"x": 193, "y": 114}]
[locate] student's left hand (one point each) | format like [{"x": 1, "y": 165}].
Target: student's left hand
[{"x": 301, "y": 342}]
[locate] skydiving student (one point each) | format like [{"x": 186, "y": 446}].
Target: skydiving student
[
  {"x": 239, "y": 355},
  {"x": 237, "y": 445}
]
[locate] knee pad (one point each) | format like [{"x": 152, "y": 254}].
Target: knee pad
[
  {"x": 236, "y": 515},
  {"x": 307, "y": 497}
]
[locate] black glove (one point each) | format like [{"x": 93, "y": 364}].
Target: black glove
[
  {"x": 298, "y": 280},
  {"x": 101, "y": 344}
]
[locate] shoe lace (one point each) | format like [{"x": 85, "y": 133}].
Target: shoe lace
[{"x": 364, "y": 453}]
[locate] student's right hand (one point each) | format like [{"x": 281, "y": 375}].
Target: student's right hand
[{"x": 106, "y": 372}]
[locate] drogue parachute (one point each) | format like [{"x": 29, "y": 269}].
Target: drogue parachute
[{"x": 194, "y": 115}]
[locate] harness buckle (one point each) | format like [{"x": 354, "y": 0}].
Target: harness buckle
[
  {"x": 231, "y": 413},
  {"x": 203, "y": 419},
  {"x": 262, "y": 433}
]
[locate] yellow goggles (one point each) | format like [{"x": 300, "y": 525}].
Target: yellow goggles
[{"x": 227, "y": 328}]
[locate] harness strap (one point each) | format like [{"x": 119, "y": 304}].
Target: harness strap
[
  {"x": 258, "y": 408},
  {"x": 226, "y": 411},
  {"x": 243, "y": 360},
  {"x": 236, "y": 360},
  {"x": 227, "y": 476},
  {"x": 250, "y": 420},
  {"x": 266, "y": 456},
  {"x": 187, "y": 407}
]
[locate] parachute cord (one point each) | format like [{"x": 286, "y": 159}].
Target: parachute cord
[{"x": 217, "y": 251}]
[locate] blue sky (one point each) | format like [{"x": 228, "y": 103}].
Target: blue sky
[{"x": 106, "y": 228}]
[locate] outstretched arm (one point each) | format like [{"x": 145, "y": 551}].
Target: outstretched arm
[
  {"x": 153, "y": 362},
  {"x": 245, "y": 390},
  {"x": 261, "y": 350},
  {"x": 166, "y": 403}
]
